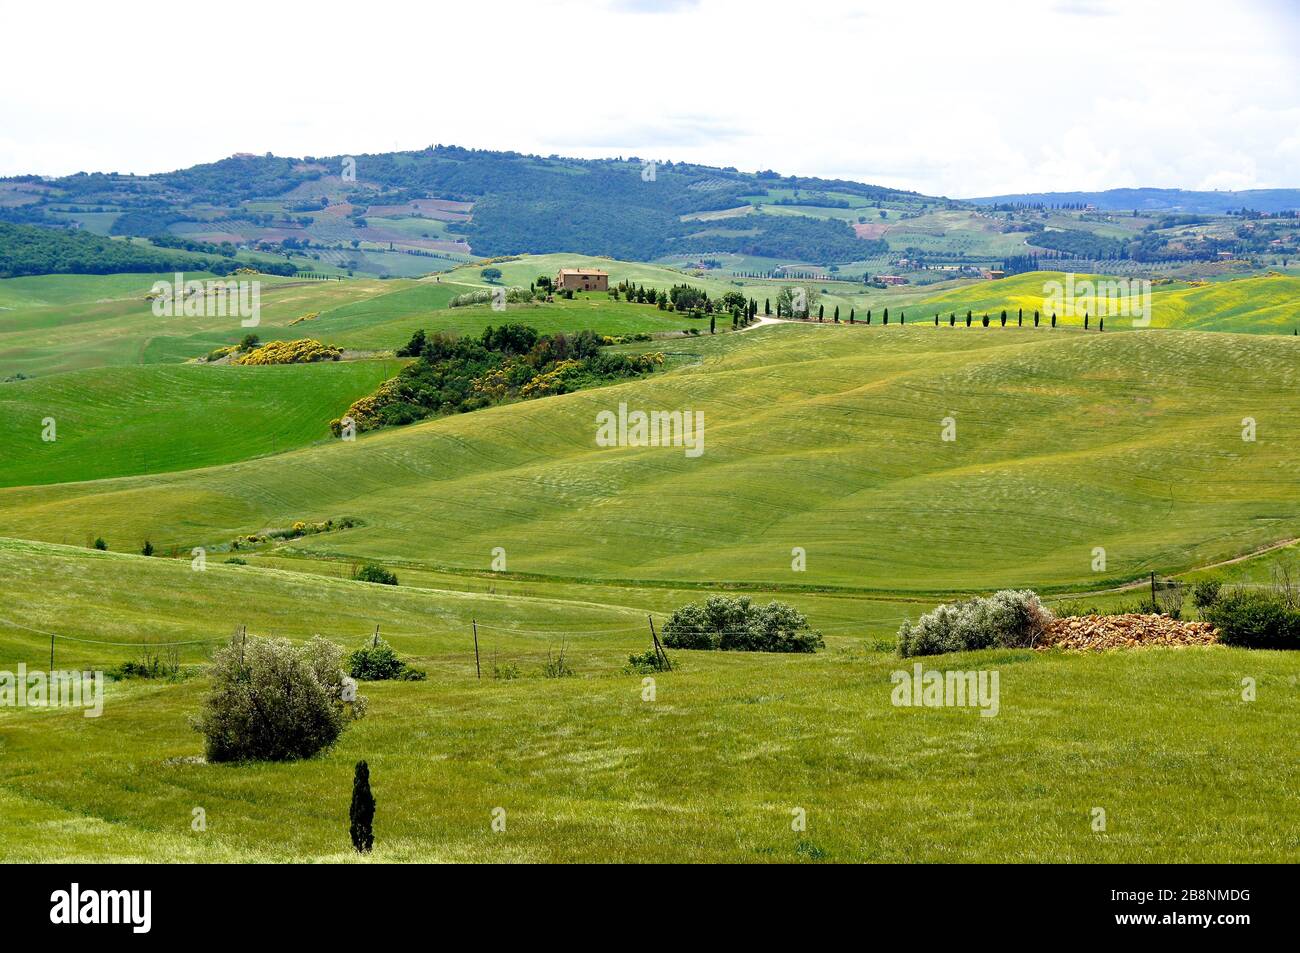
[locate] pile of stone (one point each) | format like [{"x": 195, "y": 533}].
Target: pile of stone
[{"x": 1096, "y": 633}]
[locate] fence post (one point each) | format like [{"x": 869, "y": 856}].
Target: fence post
[
  {"x": 51, "y": 652},
  {"x": 478, "y": 669},
  {"x": 659, "y": 649}
]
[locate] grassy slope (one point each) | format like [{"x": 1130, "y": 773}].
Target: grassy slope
[
  {"x": 59, "y": 323},
  {"x": 586, "y": 770},
  {"x": 1258, "y": 305},
  {"x": 157, "y": 418},
  {"x": 821, "y": 437}
]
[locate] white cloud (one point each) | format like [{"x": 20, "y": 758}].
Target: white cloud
[{"x": 942, "y": 97}]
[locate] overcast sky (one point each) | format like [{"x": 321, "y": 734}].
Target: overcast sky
[{"x": 952, "y": 98}]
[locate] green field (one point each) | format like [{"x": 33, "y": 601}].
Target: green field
[
  {"x": 1262, "y": 304},
  {"x": 141, "y": 419},
  {"x": 587, "y": 770},
  {"x": 823, "y": 437},
  {"x": 820, "y": 437}
]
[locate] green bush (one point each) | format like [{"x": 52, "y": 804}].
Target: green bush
[
  {"x": 645, "y": 662},
  {"x": 1007, "y": 619},
  {"x": 377, "y": 662},
  {"x": 557, "y": 666},
  {"x": 373, "y": 572},
  {"x": 274, "y": 700},
  {"x": 736, "y": 625},
  {"x": 505, "y": 672},
  {"x": 1206, "y": 593},
  {"x": 1254, "y": 619}
]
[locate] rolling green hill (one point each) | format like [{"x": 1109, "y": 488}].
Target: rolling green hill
[
  {"x": 1262, "y": 304},
  {"x": 158, "y": 418},
  {"x": 827, "y": 438},
  {"x": 588, "y": 770}
]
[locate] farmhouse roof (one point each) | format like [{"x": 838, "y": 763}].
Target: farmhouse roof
[{"x": 583, "y": 271}]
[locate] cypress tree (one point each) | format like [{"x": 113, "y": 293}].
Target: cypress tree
[
  {"x": 902, "y": 318},
  {"x": 1101, "y": 324},
  {"x": 952, "y": 320},
  {"x": 1053, "y": 319},
  {"x": 767, "y": 306},
  {"x": 1085, "y": 320},
  {"x": 821, "y": 312},
  {"x": 967, "y": 319},
  {"x": 1004, "y": 319},
  {"x": 986, "y": 320},
  {"x": 852, "y": 312},
  {"x": 868, "y": 316},
  {"x": 936, "y": 319},
  {"x": 1035, "y": 319},
  {"x": 712, "y": 320},
  {"x": 886, "y": 321},
  {"x": 734, "y": 321},
  {"x": 362, "y": 812}
]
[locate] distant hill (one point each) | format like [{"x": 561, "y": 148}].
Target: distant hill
[
  {"x": 1164, "y": 200},
  {"x": 500, "y": 203}
]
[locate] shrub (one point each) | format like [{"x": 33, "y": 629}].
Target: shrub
[
  {"x": 146, "y": 549},
  {"x": 274, "y": 700},
  {"x": 1206, "y": 593},
  {"x": 302, "y": 351},
  {"x": 236, "y": 561},
  {"x": 373, "y": 572},
  {"x": 646, "y": 662},
  {"x": 1007, "y": 619},
  {"x": 505, "y": 672},
  {"x": 736, "y": 625},
  {"x": 100, "y": 544},
  {"x": 377, "y": 662},
  {"x": 1254, "y": 620},
  {"x": 557, "y": 666}
]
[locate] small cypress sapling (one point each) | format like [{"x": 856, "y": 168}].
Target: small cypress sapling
[
  {"x": 1035, "y": 319},
  {"x": 902, "y": 317},
  {"x": 1053, "y": 319},
  {"x": 852, "y": 314},
  {"x": 362, "y": 812},
  {"x": 837, "y": 314},
  {"x": 147, "y": 549},
  {"x": 713, "y": 319},
  {"x": 952, "y": 320},
  {"x": 1085, "y": 320},
  {"x": 986, "y": 320},
  {"x": 868, "y": 316},
  {"x": 1101, "y": 324},
  {"x": 821, "y": 312},
  {"x": 767, "y": 306},
  {"x": 967, "y": 319},
  {"x": 1004, "y": 319}
]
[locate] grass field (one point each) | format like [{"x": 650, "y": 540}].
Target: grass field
[
  {"x": 1263, "y": 304},
  {"x": 826, "y": 438},
  {"x": 587, "y": 770},
  {"x": 141, "y": 419},
  {"x": 821, "y": 437}
]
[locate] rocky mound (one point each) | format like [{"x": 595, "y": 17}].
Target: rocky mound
[{"x": 1095, "y": 633}]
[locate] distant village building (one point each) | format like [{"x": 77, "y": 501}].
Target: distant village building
[
  {"x": 891, "y": 279},
  {"x": 992, "y": 274},
  {"x": 582, "y": 279}
]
